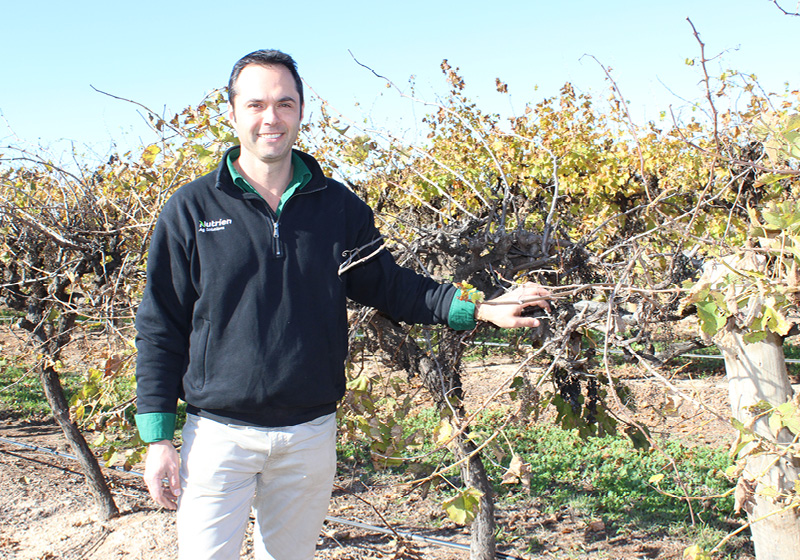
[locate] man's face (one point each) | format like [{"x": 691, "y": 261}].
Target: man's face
[{"x": 266, "y": 112}]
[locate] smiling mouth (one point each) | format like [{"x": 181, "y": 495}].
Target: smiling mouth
[{"x": 271, "y": 135}]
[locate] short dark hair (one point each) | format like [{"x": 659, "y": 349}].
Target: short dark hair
[{"x": 264, "y": 57}]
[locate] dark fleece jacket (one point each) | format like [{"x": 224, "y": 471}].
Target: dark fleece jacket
[{"x": 244, "y": 313}]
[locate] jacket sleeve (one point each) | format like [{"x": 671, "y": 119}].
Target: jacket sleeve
[
  {"x": 163, "y": 321},
  {"x": 462, "y": 314},
  {"x": 400, "y": 292}
]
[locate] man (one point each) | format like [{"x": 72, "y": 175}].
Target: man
[{"x": 244, "y": 318}]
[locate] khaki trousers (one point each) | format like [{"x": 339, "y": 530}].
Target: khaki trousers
[{"x": 285, "y": 475}]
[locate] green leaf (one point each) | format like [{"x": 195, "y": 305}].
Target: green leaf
[
  {"x": 793, "y": 423},
  {"x": 111, "y": 457},
  {"x": 732, "y": 471},
  {"x": 776, "y": 321},
  {"x": 792, "y": 123},
  {"x": 769, "y": 179},
  {"x": 768, "y": 491},
  {"x": 695, "y": 552},
  {"x": 711, "y": 319},
  {"x": 360, "y": 384},
  {"x": 463, "y": 507},
  {"x": 760, "y": 407},
  {"x": 736, "y": 423},
  {"x": 786, "y": 408},
  {"x": 793, "y": 144},
  {"x": 778, "y": 217},
  {"x": 753, "y": 337},
  {"x": 656, "y": 478},
  {"x": 443, "y": 432},
  {"x": 150, "y": 153},
  {"x": 638, "y": 437},
  {"x": 775, "y": 423},
  {"x": 743, "y": 440},
  {"x": 790, "y": 416}
]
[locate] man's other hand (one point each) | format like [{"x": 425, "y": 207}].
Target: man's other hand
[{"x": 161, "y": 474}]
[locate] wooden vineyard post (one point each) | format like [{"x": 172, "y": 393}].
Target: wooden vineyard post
[{"x": 757, "y": 373}]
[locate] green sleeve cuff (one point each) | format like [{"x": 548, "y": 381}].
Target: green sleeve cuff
[
  {"x": 156, "y": 426},
  {"x": 462, "y": 314}
]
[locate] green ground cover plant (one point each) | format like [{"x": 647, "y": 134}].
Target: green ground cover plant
[
  {"x": 603, "y": 478},
  {"x": 21, "y": 391}
]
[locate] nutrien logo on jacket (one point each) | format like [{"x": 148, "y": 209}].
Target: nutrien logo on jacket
[{"x": 213, "y": 225}]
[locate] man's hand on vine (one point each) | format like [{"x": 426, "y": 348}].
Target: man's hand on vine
[{"x": 509, "y": 310}]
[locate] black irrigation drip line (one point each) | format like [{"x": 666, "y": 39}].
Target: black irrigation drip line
[
  {"x": 411, "y": 536},
  {"x": 60, "y": 454},
  {"x": 329, "y": 519}
]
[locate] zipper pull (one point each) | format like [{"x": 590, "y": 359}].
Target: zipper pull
[{"x": 277, "y": 236}]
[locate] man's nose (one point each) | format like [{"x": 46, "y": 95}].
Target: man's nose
[{"x": 269, "y": 115}]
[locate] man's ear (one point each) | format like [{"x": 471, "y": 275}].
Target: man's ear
[
  {"x": 232, "y": 116},
  {"x": 302, "y": 111}
]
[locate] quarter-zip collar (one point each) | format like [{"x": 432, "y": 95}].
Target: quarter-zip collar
[
  {"x": 307, "y": 179},
  {"x": 300, "y": 177},
  {"x": 315, "y": 181}
]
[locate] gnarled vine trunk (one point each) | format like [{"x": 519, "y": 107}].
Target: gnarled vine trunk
[
  {"x": 54, "y": 392},
  {"x": 439, "y": 374},
  {"x": 51, "y": 338},
  {"x": 482, "y": 542}
]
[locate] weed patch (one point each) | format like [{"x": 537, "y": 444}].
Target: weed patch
[
  {"x": 21, "y": 393},
  {"x": 599, "y": 478}
]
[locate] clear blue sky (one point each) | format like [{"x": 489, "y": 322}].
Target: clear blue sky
[{"x": 168, "y": 54}]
